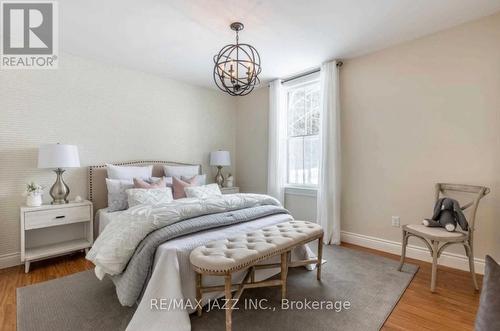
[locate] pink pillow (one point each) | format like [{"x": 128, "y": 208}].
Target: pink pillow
[
  {"x": 178, "y": 186},
  {"x": 139, "y": 183}
]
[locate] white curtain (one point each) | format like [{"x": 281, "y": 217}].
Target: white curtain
[
  {"x": 276, "y": 162},
  {"x": 328, "y": 201}
]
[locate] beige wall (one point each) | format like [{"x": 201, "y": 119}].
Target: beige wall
[
  {"x": 112, "y": 114},
  {"x": 251, "y": 139},
  {"x": 422, "y": 112},
  {"x": 418, "y": 113}
]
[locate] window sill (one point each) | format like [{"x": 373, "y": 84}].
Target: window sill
[{"x": 301, "y": 191}]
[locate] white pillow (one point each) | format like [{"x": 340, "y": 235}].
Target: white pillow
[
  {"x": 198, "y": 181},
  {"x": 202, "y": 192},
  {"x": 126, "y": 172},
  {"x": 179, "y": 171},
  {"x": 153, "y": 196},
  {"x": 117, "y": 195}
]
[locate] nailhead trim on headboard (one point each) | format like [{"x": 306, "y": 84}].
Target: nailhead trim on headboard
[{"x": 130, "y": 163}]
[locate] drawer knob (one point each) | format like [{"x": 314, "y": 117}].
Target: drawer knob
[{"x": 60, "y": 216}]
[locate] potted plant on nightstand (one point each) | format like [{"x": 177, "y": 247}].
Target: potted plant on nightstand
[{"x": 33, "y": 194}]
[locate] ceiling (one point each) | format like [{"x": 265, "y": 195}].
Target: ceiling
[{"x": 178, "y": 38}]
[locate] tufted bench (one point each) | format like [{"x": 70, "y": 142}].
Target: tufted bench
[{"x": 245, "y": 251}]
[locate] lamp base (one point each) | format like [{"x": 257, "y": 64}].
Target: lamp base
[
  {"x": 219, "y": 178},
  {"x": 59, "y": 191}
]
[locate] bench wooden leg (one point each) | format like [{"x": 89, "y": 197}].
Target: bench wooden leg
[
  {"x": 198, "y": 293},
  {"x": 320, "y": 258},
  {"x": 284, "y": 272},
  {"x": 229, "y": 301}
]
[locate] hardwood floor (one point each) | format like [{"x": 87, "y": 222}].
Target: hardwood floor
[
  {"x": 14, "y": 277},
  {"x": 452, "y": 307}
]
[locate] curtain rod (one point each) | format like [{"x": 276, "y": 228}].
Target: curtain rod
[{"x": 307, "y": 73}]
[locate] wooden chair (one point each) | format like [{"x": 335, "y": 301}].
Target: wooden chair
[{"x": 432, "y": 237}]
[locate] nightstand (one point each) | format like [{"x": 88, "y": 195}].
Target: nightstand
[
  {"x": 52, "y": 230},
  {"x": 230, "y": 190}
]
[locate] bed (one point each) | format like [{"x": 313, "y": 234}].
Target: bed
[{"x": 172, "y": 277}]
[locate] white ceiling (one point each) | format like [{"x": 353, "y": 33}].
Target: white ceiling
[{"x": 178, "y": 38}]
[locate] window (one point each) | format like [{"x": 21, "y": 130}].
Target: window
[{"x": 303, "y": 126}]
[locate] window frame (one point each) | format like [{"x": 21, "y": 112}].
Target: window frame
[{"x": 291, "y": 188}]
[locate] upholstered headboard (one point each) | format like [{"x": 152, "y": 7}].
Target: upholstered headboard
[{"x": 98, "y": 192}]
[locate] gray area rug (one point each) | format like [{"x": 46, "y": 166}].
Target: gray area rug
[{"x": 370, "y": 284}]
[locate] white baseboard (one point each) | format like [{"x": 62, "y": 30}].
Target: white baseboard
[
  {"x": 447, "y": 259},
  {"x": 451, "y": 260},
  {"x": 10, "y": 260}
]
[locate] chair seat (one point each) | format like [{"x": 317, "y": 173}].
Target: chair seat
[{"x": 434, "y": 232}]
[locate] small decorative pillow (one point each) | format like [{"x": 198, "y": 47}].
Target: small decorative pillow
[
  {"x": 202, "y": 192},
  {"x": 159, "y": 183},
  {"x": 488, "y": 314},
  {"x": 128, "y": 173},
  {"x": 199, "y": 179},
  {"x": 117, "y": 195},
  {"x": 153, "y": 196},
  {"x": 179, "y": 185},
  {"x": 179, "y": 171}
]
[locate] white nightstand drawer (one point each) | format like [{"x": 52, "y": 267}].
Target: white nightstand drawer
[{"x": 52, "y": 217}]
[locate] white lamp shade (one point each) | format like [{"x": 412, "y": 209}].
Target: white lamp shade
[
  {"x": 54, "y": 156},
  {"x": 220, "y": 158}
]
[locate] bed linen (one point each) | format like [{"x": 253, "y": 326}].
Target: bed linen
[
  {"x": 131, "y": 283},
  {"x": 173, "y": 278},
  {"x": 117, "y": 243},
  {"x": 103, "y": 217}
]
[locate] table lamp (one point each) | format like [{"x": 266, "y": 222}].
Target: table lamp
[
  {"x": 56, "y": 157},
  {"x": 220, "y": 159}
]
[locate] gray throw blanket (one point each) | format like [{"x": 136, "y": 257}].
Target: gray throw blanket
[{"x": 132, "y": 282}]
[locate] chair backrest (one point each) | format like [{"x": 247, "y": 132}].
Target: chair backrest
[{"x": 476, "y": 193}]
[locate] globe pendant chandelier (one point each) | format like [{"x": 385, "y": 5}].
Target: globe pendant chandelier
[{"x": 237, "y": 66}]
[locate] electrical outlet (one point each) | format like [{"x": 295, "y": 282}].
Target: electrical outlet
[{"x": 395, "y": 221}]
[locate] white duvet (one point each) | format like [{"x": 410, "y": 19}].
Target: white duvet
[
  {"x": 117, "y": 243},
  {"x": 172, "y": 277}
]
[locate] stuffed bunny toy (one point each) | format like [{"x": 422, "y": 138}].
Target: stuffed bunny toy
[{"x": 447, "y": 213}]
